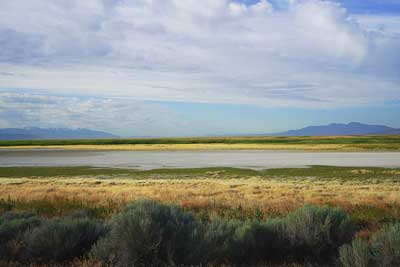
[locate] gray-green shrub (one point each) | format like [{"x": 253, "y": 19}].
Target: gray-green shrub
[
  {"x": 12, "y": 228},
  {"x": 386, "y": 245},
  {"x": 147, "y": 233},
  {"x": 257, "y": 242},
  {"x": 356, "y": 254},
  {"x": 383, "y": 250},
  {"x": 13, "y": 224},
  {"x": 221, "y": 238},
  {"x": 243, "y": 243},
  {"x": 8, "y": 216},
  {"x": 62, "y": 239},
  {"x": 316, "y": 233},
  {"x": 272, "y": 241}
]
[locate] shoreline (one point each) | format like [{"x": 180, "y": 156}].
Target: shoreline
[{"x": 210, "y": 147}]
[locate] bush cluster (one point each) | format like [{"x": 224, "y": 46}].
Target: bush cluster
[
  {"x": 62, "y": 239},
  {"x": 150, "y": 234},
  {"x": 316, "y": 233},
  {"x": 12, "y": 229},
  {"x": 25, "y": 237},
  {"x": 147, "y": 233},
  {"x": 383, "y": 250}
]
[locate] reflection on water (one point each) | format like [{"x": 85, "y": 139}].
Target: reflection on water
[{"x": 192, "y": 159}]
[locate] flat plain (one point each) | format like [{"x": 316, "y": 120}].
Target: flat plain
[{"x": 308, "y": 143}]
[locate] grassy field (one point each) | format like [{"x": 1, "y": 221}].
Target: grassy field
[
  {"x": 333, "y": 143},
  {"x": 370, "y": 194},
  {"x": 249, "y": 208}
]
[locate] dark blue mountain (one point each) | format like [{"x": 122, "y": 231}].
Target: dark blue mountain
[
  {"x": 352, "y": 128},
  {"x": 51, "y": 133}
]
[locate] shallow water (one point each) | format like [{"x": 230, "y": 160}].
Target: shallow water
[{"x": 255, "y": 159}]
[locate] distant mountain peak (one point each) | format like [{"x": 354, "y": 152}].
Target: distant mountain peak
[
  {"x": 51, "y": 133},
  {"x": 351, "y": 128}
]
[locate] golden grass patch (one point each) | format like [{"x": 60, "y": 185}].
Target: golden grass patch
[{"x": 267, "y": 195}]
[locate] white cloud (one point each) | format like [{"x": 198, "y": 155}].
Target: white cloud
[
  {"x": 121, "y": 116},
  {"x": 388, "y": 24},
  {"x": 312, "y": 53}
]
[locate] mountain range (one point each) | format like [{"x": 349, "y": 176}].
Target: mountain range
[
  {"x": 352, "y": 128},
  {"x": 32, "y": 133}
]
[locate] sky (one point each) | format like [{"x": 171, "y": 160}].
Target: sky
[{"x": 189, "y": 68}]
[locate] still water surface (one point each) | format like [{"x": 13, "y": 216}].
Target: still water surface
[{"x": 196, "y": 159}]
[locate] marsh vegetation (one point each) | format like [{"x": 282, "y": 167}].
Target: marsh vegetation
[{"x": 334, "y": 143}]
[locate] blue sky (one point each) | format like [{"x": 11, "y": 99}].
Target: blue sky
[
  {"x": 354, "y": 6},
  {"x": 171, "y": 67},
  {"x": 372, "y": 6}
]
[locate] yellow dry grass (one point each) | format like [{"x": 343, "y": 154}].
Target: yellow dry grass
[{"x": 268, "y": 195}]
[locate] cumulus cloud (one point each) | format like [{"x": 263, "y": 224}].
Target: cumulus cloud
[
  {"x": 303, "y": 53},
  {"x": 122, "y": 116}
]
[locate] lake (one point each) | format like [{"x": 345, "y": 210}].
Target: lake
[{"x": 255, "y": 159}]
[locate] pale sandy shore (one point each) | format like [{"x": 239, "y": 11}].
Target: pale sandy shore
[
  {"x": 214, "y": 146},
  {"x": 155, "y": 159}
]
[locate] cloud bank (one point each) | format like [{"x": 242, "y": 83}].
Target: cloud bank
[
  {"x": 120, "y": 116},
  {"x": 300, "y": 53}
]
